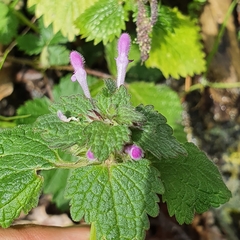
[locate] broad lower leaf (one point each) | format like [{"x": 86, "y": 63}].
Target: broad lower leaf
[
  {"x": 102, "y": 21},
  {"x": 155, "y": 135},
  {"x": 19, "y": 191},
  {"x": 177, "y": 53},
  {"x": 61, "y": 14},
  {"x": 164, "y": 100},
  {"x": 104, "y": 139},
  {"x": 116, "y": 198},
  {"x": 192, "y": 183},
  {"x": 22, "y": 153}
]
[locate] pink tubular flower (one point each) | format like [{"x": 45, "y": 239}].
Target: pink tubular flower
[
  {"x": 90, "y": 155},
  {"x": 122, "y": 60},
  {"x": 135, "y": 152},
  {"x": 80, "y": 74}
]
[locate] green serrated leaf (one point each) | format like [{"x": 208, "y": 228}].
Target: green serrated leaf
[
  {"x": 58, "y": 55},
  {"x": 192, "y": 183},
  {"x": 164, "y": 100},
  {"x": 8, "y": 24},
  {"x": 155, "y": 135},
  {"x": 58, "y": 133},
  {"x": 116, "y": 198},
  {"x": 19, "y": 191},
  {"x": 20, "y": 186},
  {"x": 178, "y": 52},
  {"x": 34, "y": 108},
  {"x": 104, "y": 139},
  {"x": 102, "y": 21},
  {"x": 61, "y": 14},
  {"x": 30, "y": 43},
  {"x": 73, "y": 106},
  {"x": 19, "y": 147}
]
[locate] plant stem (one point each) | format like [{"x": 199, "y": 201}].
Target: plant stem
[
  {"x": 26, "y": 21},
  {"x": 220, "y": 34}
]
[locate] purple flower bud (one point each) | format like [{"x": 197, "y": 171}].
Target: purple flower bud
[
  {"x": 122, "y": 60},
  {"x": 135, "y": 152},
  {"x": 90, "y": 155},
  {"x": 63, "y": 118},
  {"x": 80, "y": 74}
]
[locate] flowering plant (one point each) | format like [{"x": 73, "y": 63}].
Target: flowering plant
[{"x": 121, "y": 157}]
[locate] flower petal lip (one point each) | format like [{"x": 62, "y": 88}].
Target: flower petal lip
[
  {"x": 134, "y": 151},
  {"x": 122, "y": 60},
  {"x": 124, "y": 43},
  {"x": 77, "y": 60},
  {"x": 62, "y": 117},
  {"x": 90, "y": 155}
]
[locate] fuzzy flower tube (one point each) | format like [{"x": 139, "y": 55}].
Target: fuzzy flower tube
[
  {"x": 77, "y": 61},
  {"x": 135, "y": 152},
  {"x": 122, "y": 60}
]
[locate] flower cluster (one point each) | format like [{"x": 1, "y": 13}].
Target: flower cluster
[{"x": 80, "y": 75}]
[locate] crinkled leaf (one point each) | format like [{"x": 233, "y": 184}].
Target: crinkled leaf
[
  {"x": 19, "y": 161},
  {"x": 8, "y": 24},
  {"x": 116, "y": 198},
  {"x": 164, "y": 100},
  {"x": 61, "y": 14},
  {"x": 58, "y": 133},
  {"x": 155, "y": 135},
  {"x": 192, "y": 183},
  {"x": 19, "y": 191},
  {"x": 115, "y": 104},
  {"x": 177, "y": 53},
  {"x": 104, "y": 139},
  {"x": 73, "y": 106},
  {"x": 102, "y": 21}
]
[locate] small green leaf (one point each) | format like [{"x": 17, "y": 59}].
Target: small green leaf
[
  {"x": 104, "y": 139},
  {"x": 155, "y": 135},
  {"x": 116, "y": 198},
  {"x": 102, "y": 21},
  {"x": 30, "y": 43},
  {"x": 177, "y": 52},
  {"x": 192, "y": 183},
  {"x": 8, "y": 24},
  {"x": 58, "y": 55}
]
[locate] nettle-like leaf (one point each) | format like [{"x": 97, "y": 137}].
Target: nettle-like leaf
[
  {"x": 100, "y": 134},
  {"x": 155, "y": 135},
  {"x": 8, "y": 24},
  {"x": 47, "y": 43},
  {"x": 192, "y": 183},
  {"x": 115, "y": 197},
  {"x": 61, "y": 14},
  {"x": 102, "y": 21},
  {"x": 178, "y": 52},
  {"x": 164, "y": 100},
  {"x": 22, "y": 153},
  {"x": 116, "y": 105}
]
